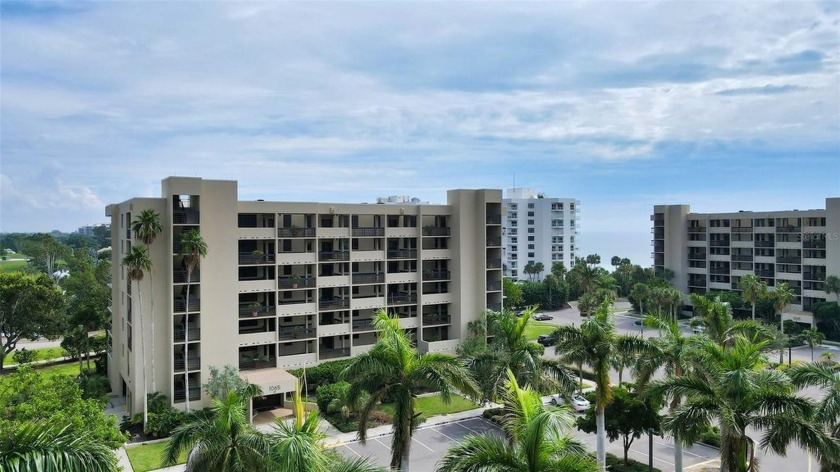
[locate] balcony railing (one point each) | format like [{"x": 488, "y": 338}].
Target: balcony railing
[
  {"x": 494, "y": 219},
  {"x": 334, "y": 256},
  {"x": 788, "y": 229},
  {"x": 363, "y": 324},
  {"x": 494, "y": 286},
  {"x": 251, "y": 258},
  {"x": 766, "y": 273},
  {"x": 764, "y": 244},
  {"x": 324, "y": 353},
  {"x": 369, "y": 231},
  {"x": 435, "y": 231},
  {"x": 719, "y": 271},
  {"x": 402, "y": 299},
  {"x": 697, "y": 283},
  {"x": 742, "y": 258},
  {"x": 296, "y": 332},
  {"x": 185, "y": 216},
  {"x": 742, "y": 229},
  {"x": 195, "y": 394},
  {"x": 295, "y": 232},
  {"x": 195, "y": 363},
  {"x": 697, "y": 255},
  {"x": 179, "y": 276},
  {"x": 815, "y": 276},
  {"x": 247, "y": 364},
  {"x": 719, "y": 243},
  {"x": 436, "y": 319},
  {"x": 369, "y": 278},
  {"x": 331, "y": 303},
  {"x": 494, "y": 242},
  {"x": 247, "y": 310},
  {"x": 814, "y": 244},
  {"x": 180, "y": 304},
  {"x": 436, "y": 275},
  {"x": 696, "y": 229},
  {"x": 300, "y": 282},
  {"x": 494, "y": 263},
  {"x": 402, "y": 254},
  {"x": 195, "y": 334},
  {"x": 788, "y": 260}
]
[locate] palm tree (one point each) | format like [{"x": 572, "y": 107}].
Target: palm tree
[
  {"x": 192, "y": 249},
  {"x": 671, "y": 350},
  {"x": 721, "y": 327},
  {"x": 730, "y": 386},
  {"x": 47, "y": 447},
  {"x": 826, "y": 378},
  {"x": 782, "y": 296},
  {"x": 640, "y": 293},
  {"x": 220, "y": 440},
  {"x": 559, "y": 270},
  {"x": 137, "y": 263},
  {"x": 535, "y": 440},
  {"x": 394, "y": 369},
  {"x": 832, "y": 285},
  {"x": 752, "y": 289},
  {"x": 673, "y": 298},
  {"x": 597, "y": 344},
  {"x": 813, "y": 337},
  {"x": 147, "y": 227}
]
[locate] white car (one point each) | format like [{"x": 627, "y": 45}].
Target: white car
[{"x": 579, "y": 403}]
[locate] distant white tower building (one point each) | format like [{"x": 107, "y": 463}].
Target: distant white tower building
[{"x": 538, "y": 229}]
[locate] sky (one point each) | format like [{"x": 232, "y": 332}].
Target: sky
[{"x": 725, "y": 106}]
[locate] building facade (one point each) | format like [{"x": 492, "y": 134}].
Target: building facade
[
  {"x": 287, "y": 285},
  {"x": 712, "y": 251},
  {"x": 538, "y": 229}
]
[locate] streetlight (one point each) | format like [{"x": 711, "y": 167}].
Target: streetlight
[{"x": 651, "y": 433}]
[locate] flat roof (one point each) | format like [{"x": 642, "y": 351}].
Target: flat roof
[{"x": 271, "y": 380}]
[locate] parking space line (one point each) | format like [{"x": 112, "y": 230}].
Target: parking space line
[
  {"x": 418, "y": 442},
  {"x": 382, "y": 443},
  {"x": 351, "y": 449},
  {"x": 443, "y": 434},
  {"x": 684, "y": 451},
  {"x": 654, "y": 457},
  {"x": 468, "y": 428}
]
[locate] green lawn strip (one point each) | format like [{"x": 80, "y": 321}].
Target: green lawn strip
[
  {"x": 432, "y": 405},
  {"x": 149, "y": 456},
  {"x": 44, "y": 353},
  {"x": 13, "y": 265},
  {"x": 536, "y": 328}
]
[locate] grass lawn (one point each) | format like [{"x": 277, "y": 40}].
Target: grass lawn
[
  {"x": 536, "y": 328},
  {"x": 13, "y": 265},
  {"x": 432, "y": 405},
  {"x": 148, "y": 456},
  {"x": 43, "y": 353}
]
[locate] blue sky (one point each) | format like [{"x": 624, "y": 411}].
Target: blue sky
[{"x": 722, "y": 105}]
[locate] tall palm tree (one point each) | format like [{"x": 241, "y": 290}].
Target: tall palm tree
[
  {"x": 671, "y": 350},
  {"x": 298, "y": 445},
  {"x": 832, "y": 285},
  {"x": 752, "y": 289},
  {"x": 220, "y": 440},
  {"x": 721, "y": 327},
  {"x": 782, "y": 296},
  {"x": 47, "y": 447},
  {"x": 641, "y": 293},
  {"x": 813, "y": 337},
  {"x": 510, "y": 349},
  {"x": 147, "y": 227},
  {"x": 827, "y": 378},
  {"x": 730, "y": 386},
  {"x": 192, "y": 249},
  {"x": 535, "y": 440},
  {"x": 597, "y": 344},
  {"x": 394, "y": 369},
  {"x": 136, "y": 264}
]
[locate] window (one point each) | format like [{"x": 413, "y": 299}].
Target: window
[
  {"x": 556, "y": 223},
  {"x": 513, "y": 240},
  {"x": 530, "y": 246},
  {"x": 513, "y": 273},
  {"x": 557, "y": 206},
  {"x": 530, "y": 230},
  {"x": 513, "y": 206},
  {"x": 512, "y": 215},
  {"x": 512, "y": 232},
  {"x": 531, "y": 222},
  {"x": 513, "y": 224},
  {"x": 557, "y": 239},
  {"x": 513, "y": 264},
  {"x": 531, "y": 213},
  {"x": 514, "y": 248},
  {"x": 530, "y": 206},
  {"x": 530, "y": 238},
  {"x": 530, "y": 254}
]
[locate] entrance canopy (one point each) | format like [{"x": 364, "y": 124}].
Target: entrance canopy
[{"x": 271, "y": 381}]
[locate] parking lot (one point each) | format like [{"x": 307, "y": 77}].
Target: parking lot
[{"x": 430, "y": 444}]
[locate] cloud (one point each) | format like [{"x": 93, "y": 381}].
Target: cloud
[{"x": 765, "y": 90}]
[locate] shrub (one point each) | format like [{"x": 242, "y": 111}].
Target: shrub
[
  {"x": 101, "y": 364},
  {"x": 617, "y": 464},
  {"x": 711, "y": 437},
  {"x": 322, "y": 374},
  {"x": 24, "y": 356},
  {"x": 325, "y": 394},
  {"x": 786, "y": 366},
  {"x": 162, "y": 424},
  {"x": 493, "y": 414},
  {"x": 93, "y": 385}
]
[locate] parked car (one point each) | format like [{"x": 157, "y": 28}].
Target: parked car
[
  {"x": 578, "y": 402},
  {"x": 698, "y": 329},
  {"x": 546, "y": 340},
  {"x": 520, "y": 313},
  {"x": 543, "y": 317}
]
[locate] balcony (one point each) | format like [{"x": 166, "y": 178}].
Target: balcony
[
  {"x": 696, "y": 229},
  {"x": 764, "y": 244},
  {"x": 742, "y": 229},
  {"x": 296, "y": 282},
  {"x": 789, "y": 229},
  {"x": 494, "y": 219},
  {"x": 789, "y": 260},
  {"x": 368, "y": 278},
  {"x": 494, "y": 242},
  {"x": 435, "y": 231},
  {"x": 289, "y": 333},
  {"x": 334, "y": 256},
  {"x": 494, "y": 286},
  {"x": 429, "y": 275},
  {"x": 185, "y": 216},
  {"x": 333, "y": 353},
  {"x": 195, "y": 364},
  {"x": 333, "y": 303},
  {"x": 194, "y": 332},
  {"x": 180, "y": 394},
  {"x": 362, "y": 232},
  {"x": 815, "y": 276},
  {"x": 718, "y": 243},
  {"x": 701, "y": 256},
  {"x": 436, "y": 319},
  {"x": 813, "y": 244},
  {"x": 267, "y": 362},
  {"x": 179, "y": 276},
  {"x": 402, "y": 254},
  {"x": 494, "y": 263},
  {"x": 363, "y": 324},
  {"x": 719, "y": 271},
  {"x": 742, "y": 258},
  {"x": 251, "y": 258},
  {"x": 296, "y": 232},
  {"x": 402, "y": 299},
  {"x": 256, "y": 310},
  {"x": 180, "y": 304},
  {"x": 766, "y": 273}
]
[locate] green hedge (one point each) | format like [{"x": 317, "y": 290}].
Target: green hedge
[
  {"x": 616, "y": 464},
  {"x": 322, "y": 374},
  {"x": 711, "y": 437}
]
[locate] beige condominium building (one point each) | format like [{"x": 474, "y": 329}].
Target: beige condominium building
[
  {"x": 712, "y": 251},
  {"x": 286, "y": 285}
]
